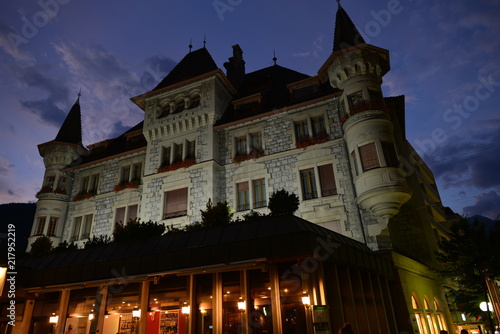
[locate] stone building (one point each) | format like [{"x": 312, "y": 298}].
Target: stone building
[{"x": 332, "y": 139}]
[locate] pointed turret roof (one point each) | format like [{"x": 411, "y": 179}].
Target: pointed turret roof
[
  {"x": 195, "y": 63},
  {"x": 346, "y": 33},
  {"x": 71, "y": 129}
]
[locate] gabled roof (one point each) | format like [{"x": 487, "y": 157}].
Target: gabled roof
[
  {"x": 346, "y": 34},
  {"x": 269, "y": 239},
  {"x": 71, "y": 129},
  {"x": 192, "y": 65}
]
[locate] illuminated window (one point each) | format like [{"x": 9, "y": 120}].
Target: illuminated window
[
  {"x": 243, "y": 196},
  {"x": 259, "y": 193},
  {"x": 308, "y": 181}
]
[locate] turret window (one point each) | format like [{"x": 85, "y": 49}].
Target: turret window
[
  {"x": 390, "y": 155},
  {"x": 61, "y": 184},
  {"x": 355, "y": 98},
  {"x": 369, "y": 157},
  {"x": 49, "y": 181},
  {"x": 51, "y": 231},
  {"x": 40, "y": 226}
]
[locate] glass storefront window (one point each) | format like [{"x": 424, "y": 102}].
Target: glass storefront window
[
  {"x": 204, "y": 301},
  {"x": 46, "y": 305},
  {"x": 291, "y": 292},
  {"x": 260, "y": 316},
  {"x": 166, "y": 299},
  {"x": 81, "y": 305},
  {"x": 231, "y": 295},
  {"x": 122, "y": 301}
]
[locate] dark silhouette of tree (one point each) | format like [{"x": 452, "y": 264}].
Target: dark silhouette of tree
[
  {"x": 216, "y": 215},
  {"x": 282, "y": 202},
  {"x": 65, "y": 246},
  {"x": 470, "y": 256},
  {"x": 135, "y": 230},
  {"x": 97, "y": 241},
  {"x": 42, "y": 245}
]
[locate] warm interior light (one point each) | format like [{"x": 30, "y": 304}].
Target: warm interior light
[
  {"x": 3, "y": 278},
  {"x": 91, "y": 316},
  {"x": 306, "y": 300},
  {"x": 136, "y": 313},
  {"x": 185, "y": 310},
  {"x": 464, "y": 318},
  {"x": 242, "y": 305},
  {"x": 485, "y": 307},
  {"x": 54, "y": 319}
]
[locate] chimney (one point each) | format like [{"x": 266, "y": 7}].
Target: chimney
[{"x": 235, "y": 67}]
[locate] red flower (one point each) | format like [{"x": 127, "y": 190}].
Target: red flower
[
  {"x": 176, "y": 165},
  {"x": 83, "y": 196},
  {"x": 127, "y": 185},
  {"x": 244, "y": 157},
  {"x": 312, "y": 141}
]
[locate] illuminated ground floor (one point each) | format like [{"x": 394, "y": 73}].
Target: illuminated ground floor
[{"x": 276, "y": 275}]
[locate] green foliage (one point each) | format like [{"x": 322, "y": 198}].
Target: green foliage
[
  {"x": 97, "y": 241},
  {"x": 135, "y": 230},
  {"x": 282, "y": 202},
  {"x": 216, "y": 215},
  {"x": 471, "y": 255},
  {"x": 41, "y": 246},
  {"x": 65, "y": 246}
]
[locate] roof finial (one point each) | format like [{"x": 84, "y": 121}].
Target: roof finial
[
  {"x": 204, "y": 41},
  {"x": 190, "y": 45},
  {"x": 79, "y": 94},
  {"x": 338, "y": 1},
  {"x": 274, "y": 58}
]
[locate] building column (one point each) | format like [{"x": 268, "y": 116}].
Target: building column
[
  {"x": 144, "y": 306},
  {"x": 244, "y": 297},
  {"x": 275, "y": 298},
  {"x": 193, "y": 311},
  {"x": 97, "y": 324},
  {"x": 217, "y": 303},
  {"x": 62, "y": 311}
]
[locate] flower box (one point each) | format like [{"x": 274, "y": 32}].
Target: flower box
[
  {"x": 176, "y": 165},
  {"x": 312, "y": 141},
  {"x": 364, "y": 106},
  {"x": 134, "y": 184},
  {"x": 244, "y": 157},
  {"x": 83, "y": 196}
]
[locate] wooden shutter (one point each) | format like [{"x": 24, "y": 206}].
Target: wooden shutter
[
  {"x": 327, "y": 180},
  {"x": 176, "y": 203},
  {"x": 369, "y": 157}
]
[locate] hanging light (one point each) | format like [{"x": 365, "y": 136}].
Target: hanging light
[
  {"x": 242, "y": 305},
  {"x": 306, "y": 300},
  {"x": 54, "y": 319},
  {"x": 136, "y": 313},
  {"x": 186, "y": 310}
]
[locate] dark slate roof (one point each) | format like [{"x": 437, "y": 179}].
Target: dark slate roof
[
  {"x": 192, "y": 65},
  {"x": 111, "y": 147},
  {"x": 270, "y": 239},
  {"x": 71, "y": 129},
  {"x": 346, "y": 34},
  {"x": 271, "y": 82}
]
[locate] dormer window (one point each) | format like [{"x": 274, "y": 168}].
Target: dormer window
[
  {"x": 305, "y": 88},
  {"x": 248, "y": 105}
]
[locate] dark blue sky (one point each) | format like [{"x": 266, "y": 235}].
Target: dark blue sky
[{"x": 444, "y": 59}]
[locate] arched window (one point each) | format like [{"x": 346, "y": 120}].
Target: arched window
[
  {"x": 179, "y": 106},
  {"x": 164, "y": 111},
  {"x": 419, "y": 315},
  {"x": 195, "y": 102}
]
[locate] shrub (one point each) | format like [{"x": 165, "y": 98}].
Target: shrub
[
  {"x": 282, "y": 202},
  {"x": 42, "y": 245}
]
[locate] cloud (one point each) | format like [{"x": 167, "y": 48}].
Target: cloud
[
  {"x": 469, "y": 161},
  {"x": 10, "y": 41},
  {"x": 5, "y": 167},
  {"x": 487, "y": 204},
  {"x": 316, "y": 48}
]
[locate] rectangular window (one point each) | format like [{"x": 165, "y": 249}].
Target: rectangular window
[
  {"x": 132, "y": 212},
  {"x": 301, "y": 130},
  {"x": 87, "y": 226},
  {"x": 136, "y": 171},
  {"x": 177, "y": 152},
  {"x": 327, "y": 180},
  {"x": 61, "y": 183},
  {"x": 190, "y": 149},
  {"x": 165, "y": 159},
  {"x": 120, "y": 216},
  {"x": 175, "y": 203},
  {"x": 94, "y": 183},
  {"x": 52, "y": 226},
  {"x": 76, "y": 229},
  {"x": 259, "y": 193},
  {"x": 126, "y": 214},
  {"x": 355, "y": 99},
  {"x": 125, "y": 174},
  {"x": 49, "y": 182},
  {"x": 391, "y": 158},
  {"x": 40, "y": 227},
  {"x": 243, "y": 198},
  {"x": 241, "y": 145},
  {"x": 318, "y": 126},
  {"x": 255, "y": 141},
  {"x": 84, "y": 185},
  {"x": 308, "y": 182},
  {"x": 369, "y": 157}
]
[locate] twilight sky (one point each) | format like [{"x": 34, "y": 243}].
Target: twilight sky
[{"x": 444, "y": 58}]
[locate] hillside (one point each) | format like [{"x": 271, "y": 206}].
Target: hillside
[{"x": 21, "y": 215}]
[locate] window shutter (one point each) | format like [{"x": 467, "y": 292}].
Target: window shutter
[
  {"x": 327, "y": 180},
  {"x": 120, "y": 215},
  {"x": 176, "y": 203},
  {"x": 132, "y": 212},
  {"x": 369, "y": 157}
]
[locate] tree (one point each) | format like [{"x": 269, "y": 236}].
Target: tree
[
  {"x": 41, "y": 246},
  {"x": 219, "y": 214},
  {"x": 65, "y": 246},
  {"x": 135, "y": 230},
  {"x": 97, "y": 241},
  {"x": 282, "y": 202},
  {"x": 470, "y": 256}
]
